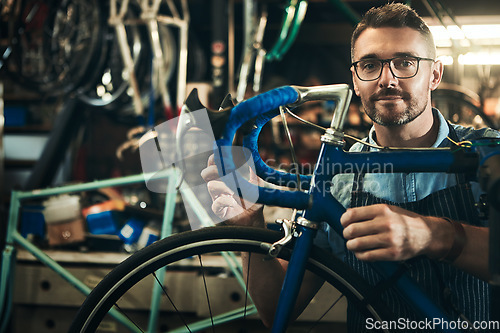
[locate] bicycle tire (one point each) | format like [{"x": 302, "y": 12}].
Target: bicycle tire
[
  {"x": 461, "y": 106},
  {"x": 115, "y": 95},
  {"x": 68, "y": 42},
  {"x": 110, "y": 85},
  {"x": 215, "y": 239}
]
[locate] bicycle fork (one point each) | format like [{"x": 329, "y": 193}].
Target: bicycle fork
[{"x": 305, "y": 231}]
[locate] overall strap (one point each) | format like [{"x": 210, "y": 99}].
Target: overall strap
[
  {"x": 453, "y": 135},
  {"x": 359, "y": 177}
]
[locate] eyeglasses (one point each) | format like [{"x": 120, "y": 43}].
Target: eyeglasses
[{"x": 405, "y": 67}]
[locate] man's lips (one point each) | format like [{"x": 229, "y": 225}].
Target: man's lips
[
  {"x": 388, "y": 98},
  {"x": 390, "y": 95}
]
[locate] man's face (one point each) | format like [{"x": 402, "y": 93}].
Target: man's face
[{"x": 390, "y": 101}]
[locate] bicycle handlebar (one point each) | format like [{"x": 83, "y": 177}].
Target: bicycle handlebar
[
  {"x": 259, "y": 110},
  {"x": 251, "y": 115}
]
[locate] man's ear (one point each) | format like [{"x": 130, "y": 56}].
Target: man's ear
[
  {"x": 355, "y": 85},
  {"x": 436, "y": 75}
]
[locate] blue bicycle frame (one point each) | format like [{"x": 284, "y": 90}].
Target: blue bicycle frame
[
  {"x": 327, "y": 208},
  {"x": 313, "y": 204}
]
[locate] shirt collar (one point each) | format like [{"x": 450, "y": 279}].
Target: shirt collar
[{"x": 443, "y": 130}]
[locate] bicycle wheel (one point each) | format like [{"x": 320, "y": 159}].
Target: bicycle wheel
[
  {"x": 56, "y": 44},
  {"x": 461, "y": 106},
  {"x": 194, "y": 253},
  {"x": 111, "y": 88}
]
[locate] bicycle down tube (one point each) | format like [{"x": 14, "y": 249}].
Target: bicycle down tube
[{"x": 317, "y": 207}]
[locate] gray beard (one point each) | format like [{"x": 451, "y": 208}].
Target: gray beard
[{"x": 409, "y": 114}]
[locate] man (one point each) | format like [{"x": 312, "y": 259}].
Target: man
[{"x": 396, "y": 217}]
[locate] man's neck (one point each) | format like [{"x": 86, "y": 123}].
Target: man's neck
[{"x": 421, "y": 132}]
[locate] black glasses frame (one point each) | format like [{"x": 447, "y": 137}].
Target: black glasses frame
[{"x": 388, "y": 61}]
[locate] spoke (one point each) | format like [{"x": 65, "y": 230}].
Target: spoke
[
  {"x": 246, "y": 285},
  {"x": 325, "y": 313},
  {"x": 206, "y": 293},
  {"x": 171, "y": 302},
  {"x": 130, "y": 319}
]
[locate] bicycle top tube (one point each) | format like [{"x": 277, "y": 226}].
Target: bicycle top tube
[{"x": 252, "y": 114}]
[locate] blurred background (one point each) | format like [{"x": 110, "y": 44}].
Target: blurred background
[{"x": 81, "y": 81}]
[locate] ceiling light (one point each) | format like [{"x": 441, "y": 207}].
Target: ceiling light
[
  {"x": 446, "y": 59},
  {"x": 477, "y": 33},
  {"x": 480, "y": 58}
]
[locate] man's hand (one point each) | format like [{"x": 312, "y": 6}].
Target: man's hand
[
  {"x": 226, "y": 204},
  {"x": 384, "y": 232}
]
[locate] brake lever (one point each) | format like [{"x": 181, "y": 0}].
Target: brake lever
[{"x": 188, "y": 119}]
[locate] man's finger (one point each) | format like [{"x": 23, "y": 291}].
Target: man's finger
[
  {"x": 211, "y": 160},
  {"x": 365, "y": 213},
  {"x": 365, "y": 243},
  {"x": 226, "y": 207},
  {"x": 381, "y": 254},
  {"x": 359, "y": 229},
  {"x": 217, "y": 188},
  {"x": 210, "y": 173}
]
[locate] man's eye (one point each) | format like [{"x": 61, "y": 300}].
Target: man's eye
[
  {"x": 368, "y": 65},
  {"x": 406, "y": 63}
]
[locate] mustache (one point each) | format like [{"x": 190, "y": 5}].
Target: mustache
[{"x": 389, "y": 92}]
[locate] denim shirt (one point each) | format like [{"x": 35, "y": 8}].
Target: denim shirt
[{"x": 399, "y": 187}]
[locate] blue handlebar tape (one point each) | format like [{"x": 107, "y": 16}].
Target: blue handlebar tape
[
  {"x": 240, "y": 114},
  {"x": 263, "y": 170},
  {"x": 254, "y": 107}
]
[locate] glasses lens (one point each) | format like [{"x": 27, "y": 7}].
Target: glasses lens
[
  {"x": 369, "y": 69},
  {"x": 404, "y": 67},
  {"x": 401, "y": 67}
]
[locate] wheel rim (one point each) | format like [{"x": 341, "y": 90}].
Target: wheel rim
[{"x": 186, "y": 250}]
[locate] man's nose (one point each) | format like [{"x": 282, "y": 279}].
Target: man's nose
[{"x": 387, "y": 78}]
